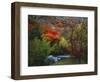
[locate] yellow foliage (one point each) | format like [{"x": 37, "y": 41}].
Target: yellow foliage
[{"x": 63, "y": 42}]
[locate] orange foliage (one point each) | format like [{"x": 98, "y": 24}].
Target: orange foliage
[{"x": 51, "y": 34}]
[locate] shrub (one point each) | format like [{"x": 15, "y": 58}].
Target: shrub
[{"x": 38, "y": 51}]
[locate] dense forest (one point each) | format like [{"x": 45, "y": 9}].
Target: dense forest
[{"x": 57, "y": 40}]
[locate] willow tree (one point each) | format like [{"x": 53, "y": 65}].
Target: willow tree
[{"x": 78, "y": 41}]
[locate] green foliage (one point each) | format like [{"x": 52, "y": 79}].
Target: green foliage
[
  {"x": 35, "y": 33},
  {"x": 38, "y": 51}
]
